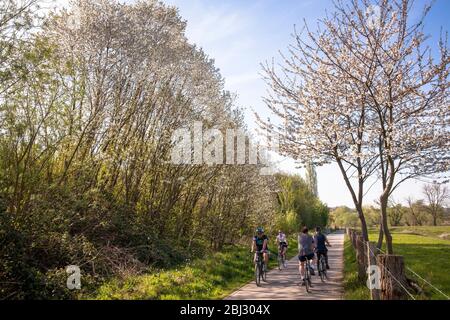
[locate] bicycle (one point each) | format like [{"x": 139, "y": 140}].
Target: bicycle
[
  {"x": 281, "y": 258},
  {"x": 322, "y": 268},
  {"x": 307, "y": 279},
  {"x": 260, "y": 272}
]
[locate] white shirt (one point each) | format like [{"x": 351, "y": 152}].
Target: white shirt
[{"x": 281, "y": 237}]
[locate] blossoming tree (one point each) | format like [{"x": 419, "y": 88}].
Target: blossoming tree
[{"x": 365, "y": 91}]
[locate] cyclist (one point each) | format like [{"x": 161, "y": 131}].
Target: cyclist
[
  {"x": 282, "y": 245},
  {"x": 305, "y": 251},
  {"x": 321, "y": 242},
  {"x": 259, "y": 243}
]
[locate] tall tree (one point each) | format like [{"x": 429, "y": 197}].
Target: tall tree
[
  {"x": 395, "y": 213},
  {"x": 416, "y": 212},
  {"x": 311, "y": 178},
  {"x": 357, "y": 92},
  {"x": 86, "y": 123},
  {"x": 436, "y": 195}
]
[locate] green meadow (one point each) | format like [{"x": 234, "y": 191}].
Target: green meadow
[{"x": 425, "y": 253}]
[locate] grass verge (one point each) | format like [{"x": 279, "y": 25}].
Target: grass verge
[
  {"x": 213, "y": 277},
  {"x": 353, "y": 288}
]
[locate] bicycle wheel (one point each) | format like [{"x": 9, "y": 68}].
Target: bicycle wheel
[
  {"x": 257, "y": 274},
  {"x": 307, "y": 281},
  {"x": 307, "y": 277},
  {"x": 263, "y": 272},
  {"x": 324, "y": 268},
  {"x": 280, "y": 261},
  {"x": 321, "y": 270}
]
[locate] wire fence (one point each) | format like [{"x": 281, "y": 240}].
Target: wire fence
[
  {"x": 392, "y": 276},
  {"x": 355, "y": 240},
  {"x": 436, "y": 289}
]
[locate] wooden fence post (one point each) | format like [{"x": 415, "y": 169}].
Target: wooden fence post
[
  {"x": 354, "y": 239},
  {"x": 372, "y": 261},
  {"x": 360, "y": 256},
  {"x": 393, "y": 279}
]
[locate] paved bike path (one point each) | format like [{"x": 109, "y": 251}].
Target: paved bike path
[{"x": 284, "y": 284}]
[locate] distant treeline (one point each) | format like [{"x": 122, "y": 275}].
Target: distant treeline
[{"x": 414, "y": 213}]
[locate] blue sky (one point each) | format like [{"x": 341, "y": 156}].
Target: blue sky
[{"x": 240, "y": 34}]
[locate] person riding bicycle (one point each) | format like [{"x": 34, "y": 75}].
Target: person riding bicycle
[
  {"x": 260, "y": 243},
  {"x": 305, "y": 251},
  {"x": 321, "y": 243},
  {"x": 282, "y": 245}
]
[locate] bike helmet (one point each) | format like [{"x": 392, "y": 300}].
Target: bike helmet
[{"x": 259, "y": 230}]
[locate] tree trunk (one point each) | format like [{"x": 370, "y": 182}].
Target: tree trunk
[
  {"x": 380, "y": 235},
  {"x": 357, "y": 200},
  {"x": 361, "y": 257},
  {"x": 364, "y": 232},
  {"x": 387, "y": 233}
]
